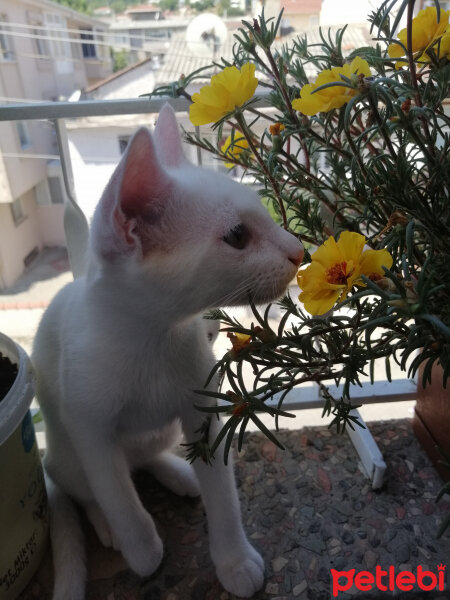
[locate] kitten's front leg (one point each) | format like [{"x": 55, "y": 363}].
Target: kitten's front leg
[
  {"x": 239, "y": 567},
  {"x": 109, "y": 479}
]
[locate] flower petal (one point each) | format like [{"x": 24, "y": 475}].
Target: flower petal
[
  {"x": 373, "y": 261},
  {"x": 351, "y": 245},
  {"x": 319, "y": 304},
  {"x": 228, "y": 89}
]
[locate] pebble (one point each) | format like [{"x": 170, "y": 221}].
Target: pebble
[
  {"x": 335, "y": 542},
  {"x": 300, "y": 588},
  {"x": 270, "y": 491},
  {"x": 350, "y": 466},
  {"x": 362, "y": 534},
  {"x": 389, "y": 535},
  {"x": 347, "y": 537},
  {"x": 370, "y": 559},
  {"x": 300, "y": 529},
  {"x": 402, "y": 553},
  {"x": 279, "y": 563},
  {"x": 410, "y": 465},
  {"x": 338, "y": 517},
  {"x": 401, "y": 512},
  {"x": 340, "y": 563},
  {"x": 424, "y": 552},
  {"x": 272, "y": 588},
  {"x": 335, "y": 550},
  {"x": 313, "y": 544}
]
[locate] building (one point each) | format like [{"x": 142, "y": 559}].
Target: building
[
  {"x": 46, "y": 52},
  {"x": 96, "y": 143},
  {"x": 301, "y": 15},
  {"x": 143, "y": 30}
]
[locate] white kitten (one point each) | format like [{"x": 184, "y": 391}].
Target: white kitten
[{"x": 119, "y": 353}]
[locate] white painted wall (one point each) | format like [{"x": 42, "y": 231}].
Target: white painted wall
[
  {"x": 16, "y": 241},
  {"x": 51, "y": 224},
  {"x": 341, "y": 12}
]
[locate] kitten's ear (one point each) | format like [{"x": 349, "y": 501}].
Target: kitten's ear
[
  {"x": 133, "y": 201},
  {"x": 167, "y": 137},
  {"x": 143, "y": 179}
]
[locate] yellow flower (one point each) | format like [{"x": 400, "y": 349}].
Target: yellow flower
[
  {"x": 335, "y": 268},
  {"x": 228, "y": 89},
  {"x": 426, "y": 33},
  {"x": 239, "y": 145},
  {"x": 332, "y": 97}
]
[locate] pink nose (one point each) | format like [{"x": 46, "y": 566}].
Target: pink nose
[{"x": 297, "y": 259}]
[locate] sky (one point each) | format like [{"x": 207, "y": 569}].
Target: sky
[{"x": 346, "y": 11}]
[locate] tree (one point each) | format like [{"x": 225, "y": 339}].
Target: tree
[{"x": 78, "y": 5}]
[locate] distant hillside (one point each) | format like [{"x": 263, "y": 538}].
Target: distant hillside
[{"x": 87, "y": 6}]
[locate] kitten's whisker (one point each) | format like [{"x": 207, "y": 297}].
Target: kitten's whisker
[{"x": 227, "y": 299}]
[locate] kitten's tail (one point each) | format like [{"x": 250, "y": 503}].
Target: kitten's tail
[{"x": 68, "y": 546}]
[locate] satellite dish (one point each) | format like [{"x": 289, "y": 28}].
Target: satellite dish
[{"x": 206, "y": 35}]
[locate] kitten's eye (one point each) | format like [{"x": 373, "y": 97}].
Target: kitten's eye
[{"x": 237, "y": 237}]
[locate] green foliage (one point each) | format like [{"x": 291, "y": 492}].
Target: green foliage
[
  {"x": 120, "y": 59},
  {"x": 88, "y": 6},
  {"x": 378, "y": 166},
  {"x": 169, "y": 5},
  {"x": 78, "y": 5},
  {"x": 202, "y": 5}
]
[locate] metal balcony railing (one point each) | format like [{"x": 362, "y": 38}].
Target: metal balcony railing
[{"x": 77, "y": 229}]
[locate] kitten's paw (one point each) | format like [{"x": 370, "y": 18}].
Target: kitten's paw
[
  {"x": 242, "y": 575},
  {"x": 176, "y": 474},
  {"x": 143, "y": 558}
]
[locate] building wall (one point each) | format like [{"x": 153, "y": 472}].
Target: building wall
[
  {"x": 51, "y": 224},
  {"x": 38, "y": 69},
  {"x": 17, "y": 240},
  {"x": 50, "y": 76}
]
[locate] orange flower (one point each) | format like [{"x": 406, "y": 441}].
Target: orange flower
[
  {"x": 239, "y": 341},
  {"x": 276, "y": 128}
]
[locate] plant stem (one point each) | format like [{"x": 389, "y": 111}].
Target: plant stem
[
  {"x": 381, "y": 127},
  {"x": 413, "y": 73},
  {"x": 273, "y": 182},
  {"x": 288, "y": 103}
]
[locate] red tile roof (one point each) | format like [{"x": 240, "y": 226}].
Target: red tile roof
[{"x": 142, "y": 8}]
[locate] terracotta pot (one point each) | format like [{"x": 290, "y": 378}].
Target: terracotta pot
[
  {"x": 431, "y": 421},
  {"x": 23, "y": 501}
]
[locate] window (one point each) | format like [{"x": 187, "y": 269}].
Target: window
[
  {"x": 89, "y": 50},
  {"x": 55, "y": 189},
  {"x": 17, "y": 211},
  {"x": 35, "y": 19},
  {"x": 60, "y": 44},
  {"x": 123, "y": 142},
  {"x": 6, "y": 45},
  {"x": 24, "y": 136},
  {"x": 40, "y": 43}
]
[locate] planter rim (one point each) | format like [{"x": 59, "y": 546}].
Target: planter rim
[{"x": 16, "y": 403}]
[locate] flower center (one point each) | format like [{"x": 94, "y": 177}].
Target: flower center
[
  {"x": 337, "y": 274},
  {"x": 375, "y": 276}
]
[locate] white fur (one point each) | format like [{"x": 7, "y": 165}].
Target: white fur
[{"x": 119, "y": 353}]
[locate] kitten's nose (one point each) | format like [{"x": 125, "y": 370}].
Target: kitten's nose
[{"x": 296, "y": 260}]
